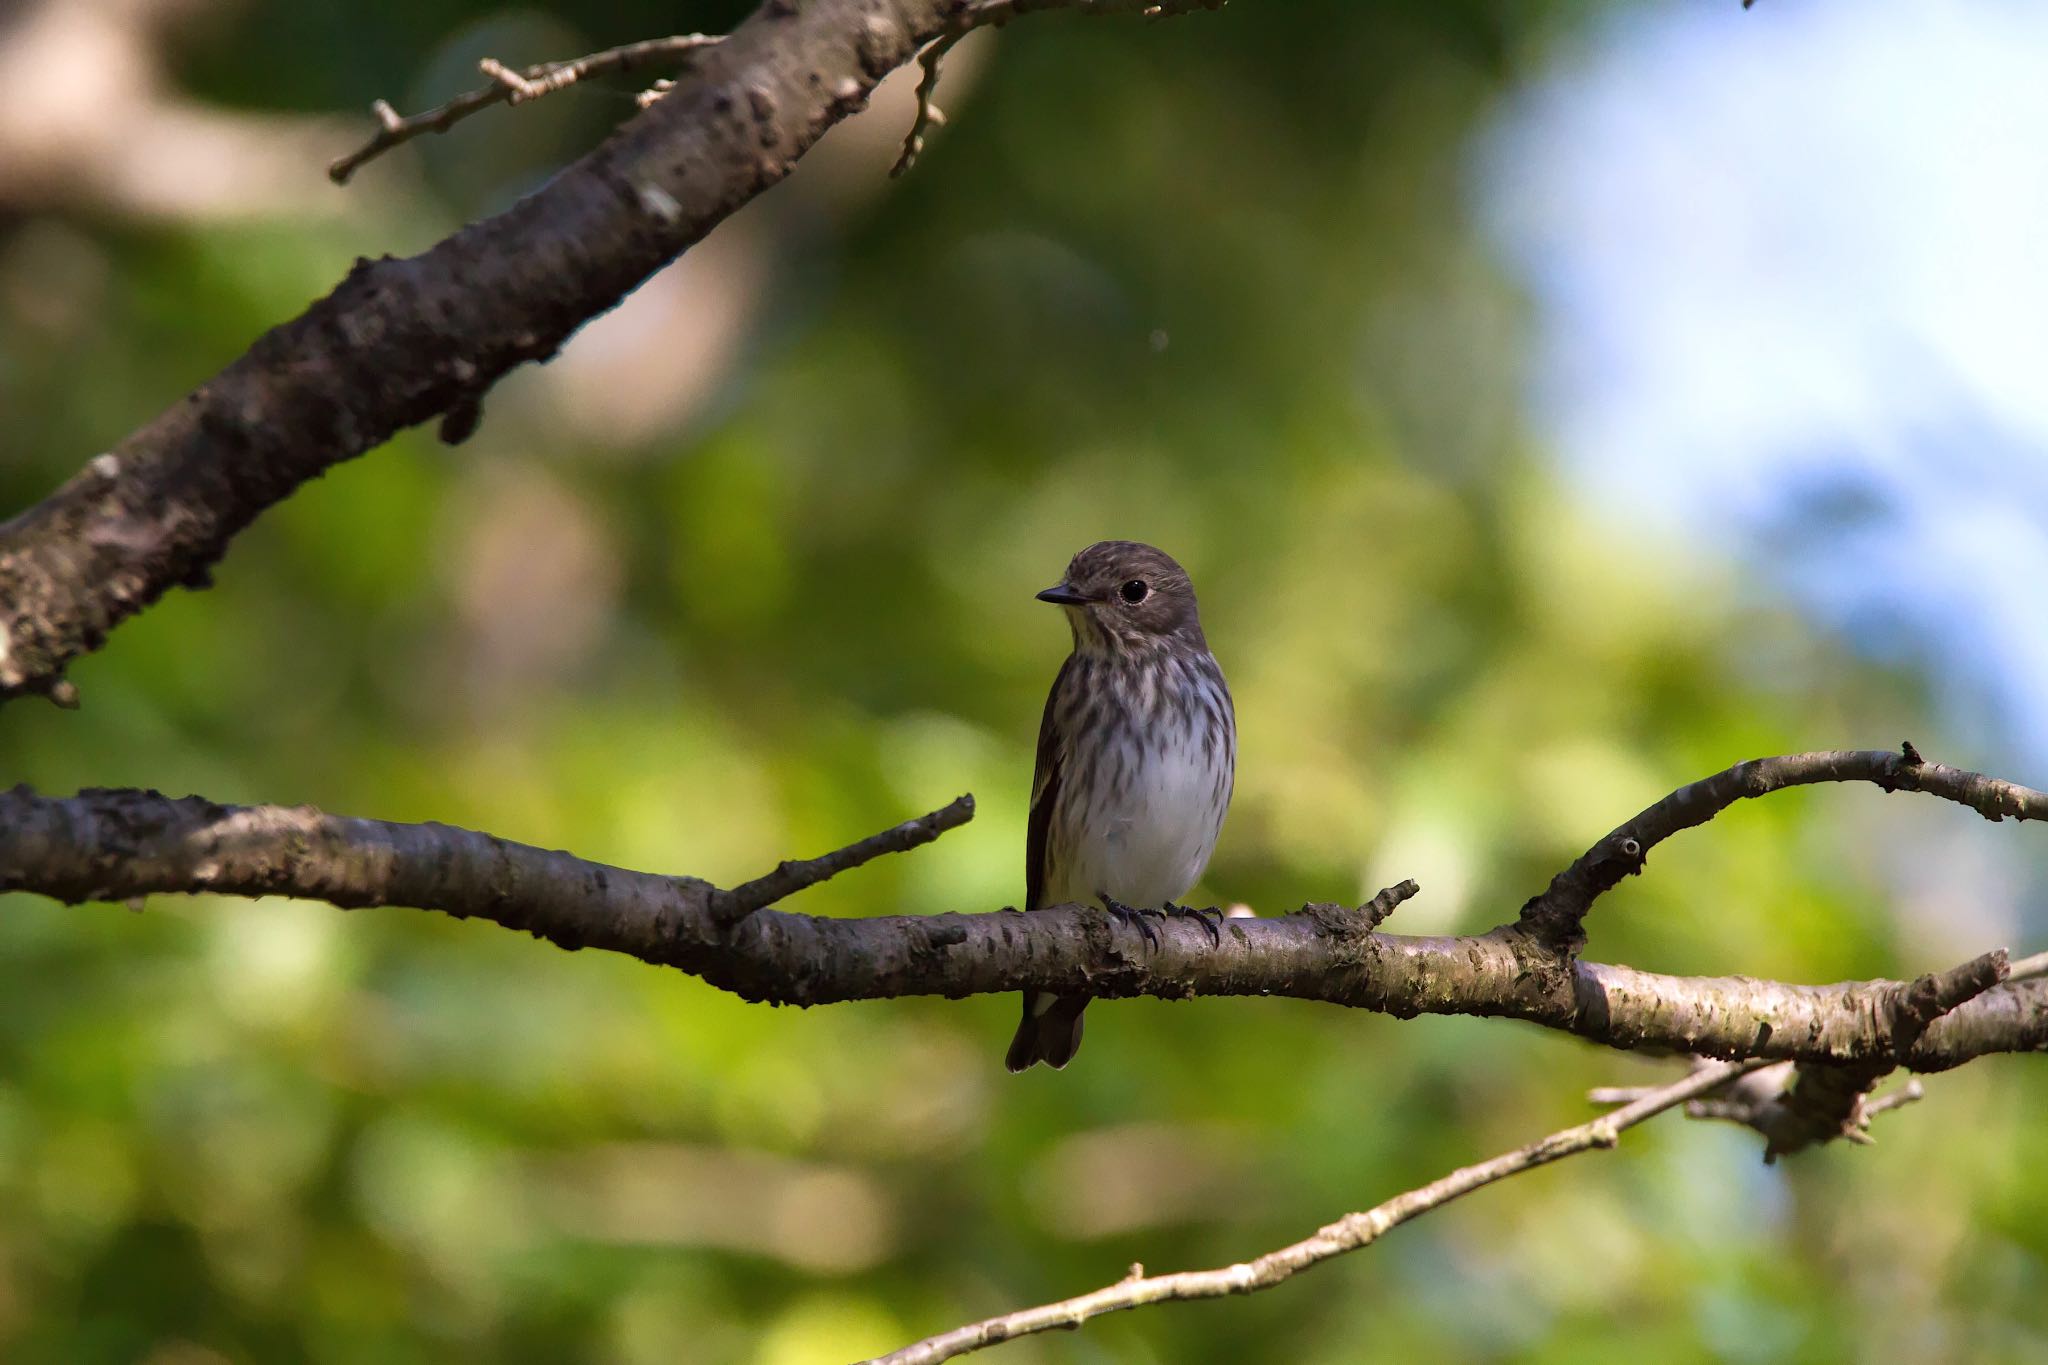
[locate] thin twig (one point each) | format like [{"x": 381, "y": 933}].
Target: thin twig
[
  {"x": 1554, "y": 917},
  {"x": 1346, "y": 1234},
  {"x": 1757, "y": 1101},
  {"x": 928, "y": 115},
  {"x": 1896, "y": 1098},
  {"x": 1347, "y": 921},
  {"x": 788, "y": 878},
  {"x": 509, "y": 86},
  {"x": 994, "y": 14},
  {"x": 2034, "y": 965}
]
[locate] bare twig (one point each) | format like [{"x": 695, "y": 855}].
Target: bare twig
[
  {"x": 1344, "y": 920},
  {"x": 929, "y": 115},
  {"x": 1346, "y": 1234},
  {"x": 509, "y": 86},
  {"x": 1758, "y": 1101},
  {"x": 1743, "y": 1101},
  {"x": 994, "y": 14},
  {"x": 1898, "y": 1097},
  {"x": 2022, "y": 968},
  {"x": 791, "y": 877}
]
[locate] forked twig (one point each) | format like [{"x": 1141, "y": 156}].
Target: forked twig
[{"x": 510, "y": 86}]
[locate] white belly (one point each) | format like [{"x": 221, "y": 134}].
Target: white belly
[{"x": 1145, "y": 839}]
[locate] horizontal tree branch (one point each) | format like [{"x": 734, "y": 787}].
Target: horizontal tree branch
[
  {"x": 1347, "y": 1234},
  {"x": 117, "y": 845},
  {"x": 1824, "y": 1102}
]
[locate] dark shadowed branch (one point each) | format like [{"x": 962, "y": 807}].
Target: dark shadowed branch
[
  {"x": 1826, "y": 1101},
  {"x": 401, "y": 342},
  {"x": 118, "y": 845}
]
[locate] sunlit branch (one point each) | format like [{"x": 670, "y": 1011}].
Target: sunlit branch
[
  {"x": 1347, "y": 1234},
  {"x": 1555, "y": 916},
  {"x": 119, "y": 845}
]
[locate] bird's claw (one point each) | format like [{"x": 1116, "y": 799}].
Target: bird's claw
[
  {"x": 1201, "y": 915},
  {"x": 1131, "y": 918}
]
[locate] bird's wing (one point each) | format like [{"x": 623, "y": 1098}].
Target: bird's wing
[{"x": 1045, "y": 793}]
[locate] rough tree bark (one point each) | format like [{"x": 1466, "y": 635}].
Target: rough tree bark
[
  {"x": 402, "y": 341},
  {"x": 1838, "y": 1040},
  {"x": 102, "y": 845}
]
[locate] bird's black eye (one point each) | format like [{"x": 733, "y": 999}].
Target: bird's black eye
[{"x": 1134, "y": 591}]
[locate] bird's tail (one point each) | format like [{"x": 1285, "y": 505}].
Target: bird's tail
[{"x": 1050, "y": 1031}]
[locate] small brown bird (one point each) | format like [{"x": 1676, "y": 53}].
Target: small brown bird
[{"x": 1136, "y": 756}]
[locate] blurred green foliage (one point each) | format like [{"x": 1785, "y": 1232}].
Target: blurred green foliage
[{"x": 1211, "y": 283}]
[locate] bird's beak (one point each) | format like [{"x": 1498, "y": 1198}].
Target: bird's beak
[{"x": 1060, "y": 595}]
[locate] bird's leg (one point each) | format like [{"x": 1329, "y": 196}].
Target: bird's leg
[
  {"x": 1215, "y": 926},
  {"x": 1130, "y": 918}
]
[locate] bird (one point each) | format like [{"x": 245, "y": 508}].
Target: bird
[{"x": 1137, "y": 755}]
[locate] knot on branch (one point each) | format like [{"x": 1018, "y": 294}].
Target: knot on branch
[
  {"x": 1344, "y": 921},
  {"x": 1555, "y": 916},
  {"x": 1901, "y": 771},
  {"x": 1935, "y": 994},
  {"x": 1815, "y": 1102}
]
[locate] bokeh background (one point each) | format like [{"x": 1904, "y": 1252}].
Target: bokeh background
[{"x": 1554, "y": 402}]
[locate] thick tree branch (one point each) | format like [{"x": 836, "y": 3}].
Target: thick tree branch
[
  {"x": 400, "y": 342},
  {"x": 1348, "y": 1233},
  {"x": 117, "y": 845},
  {"x": 1797, "y": 1105},
  {"x": 1826, "y": 1101}
]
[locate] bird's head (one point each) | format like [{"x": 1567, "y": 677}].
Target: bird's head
[{"x": 1122, "y": 596}]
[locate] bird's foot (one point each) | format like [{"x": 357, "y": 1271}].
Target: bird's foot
[
  {"x": 1202, "y": 914},
  {"x": 1130, "y": 918}
]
